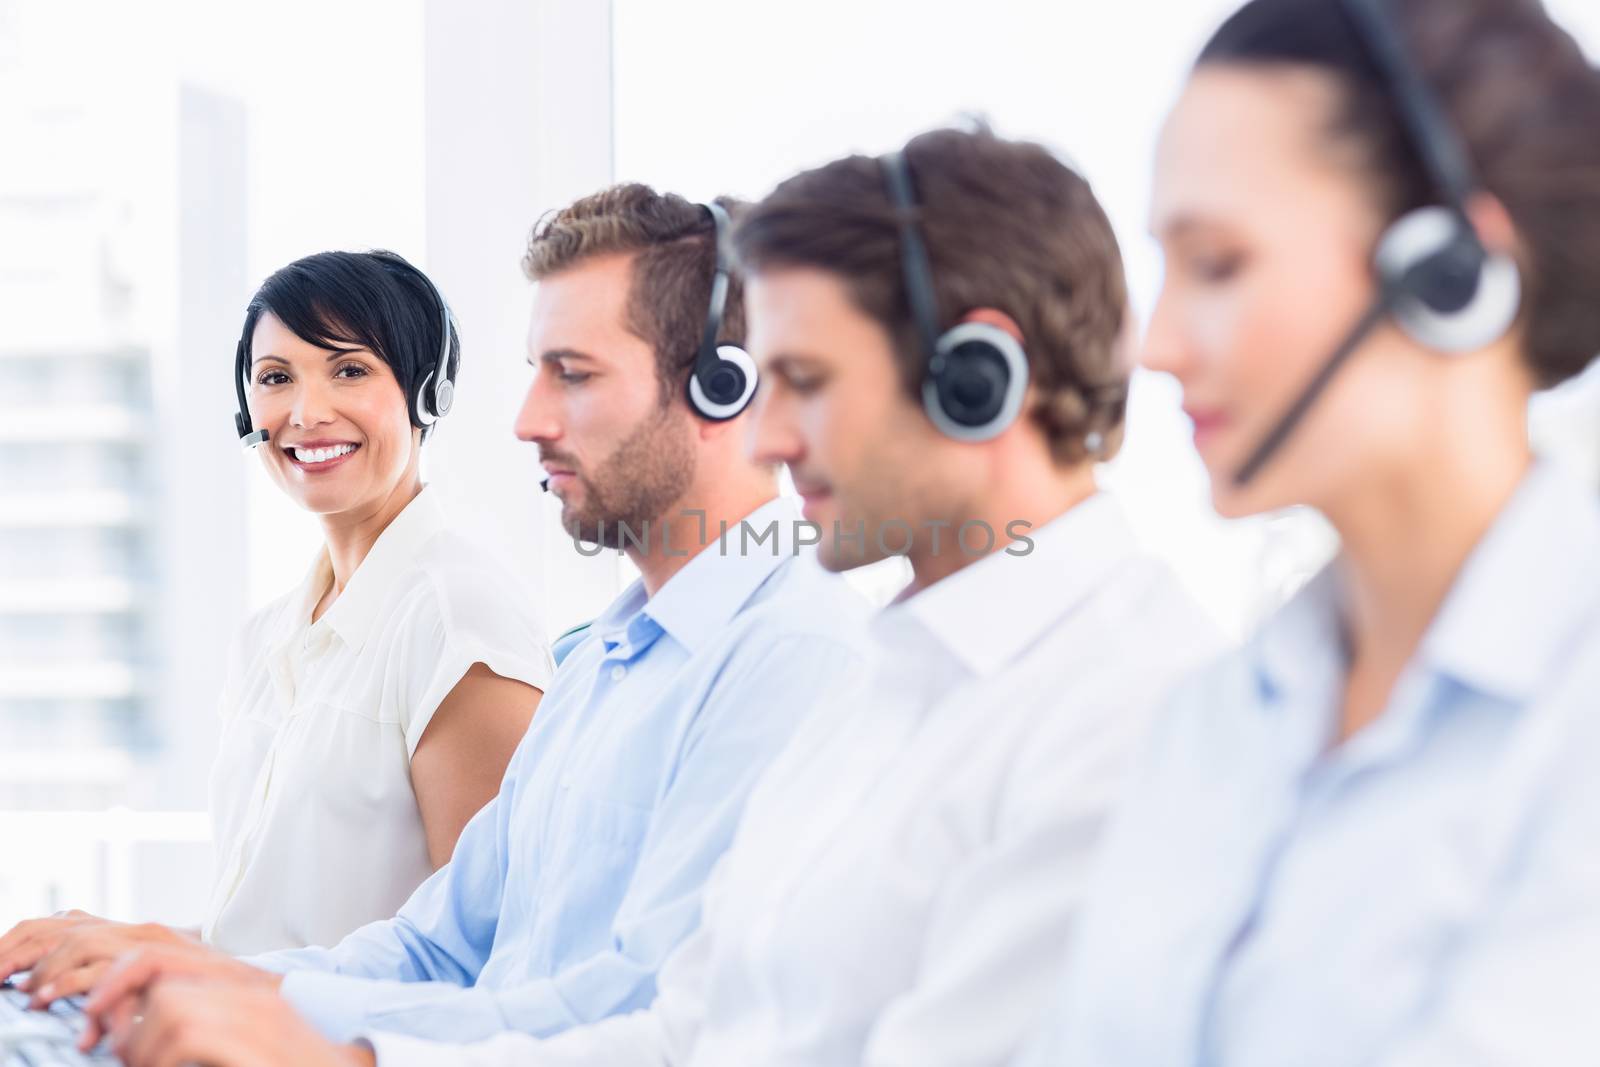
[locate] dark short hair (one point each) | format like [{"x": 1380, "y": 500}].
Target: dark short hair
[
  {"x": 1007, "y": 225},
  {"x": 1526, "y": 104},
  {"x": 374, "y": 300},
  {"x": 673, "y": 244}
]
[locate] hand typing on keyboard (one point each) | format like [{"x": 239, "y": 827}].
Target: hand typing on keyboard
[
  {"x": 27, "y": 942},
  {"x": 181, "y": 1022},
  {"x": 133, "y": 974},
  {"x": 67, "y": 953}
]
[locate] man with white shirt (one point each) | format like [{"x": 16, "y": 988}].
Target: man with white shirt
[
  {"x": 940, "y": 337},
  {"x": 565, "y": 895}
]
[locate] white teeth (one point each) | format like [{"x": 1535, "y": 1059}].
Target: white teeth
[{"x": 322, "y": 455}]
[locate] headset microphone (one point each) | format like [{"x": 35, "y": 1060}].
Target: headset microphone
[
  {"x": 1376, "y": 313},
  {"x": 1436, "y": 280},
  {"x": 249, "y": 437}
]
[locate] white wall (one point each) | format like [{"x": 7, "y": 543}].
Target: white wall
[
  {"x": 442, "y": 131},
  {"x": 517, "y": 121}
]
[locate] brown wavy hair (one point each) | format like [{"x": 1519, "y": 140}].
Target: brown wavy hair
[
  {"x": 1007, "y": 225},
  {"x": 671, "y": 240}
]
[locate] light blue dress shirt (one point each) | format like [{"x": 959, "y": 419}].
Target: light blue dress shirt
[
  {"x": 1427, "y": 893},
  {"x": 568, "y": 891}
]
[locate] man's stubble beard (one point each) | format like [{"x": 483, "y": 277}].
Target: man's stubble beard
[{"x": 635, "y": 485}]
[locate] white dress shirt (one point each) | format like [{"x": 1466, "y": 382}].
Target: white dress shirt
[
  {"x": 316, "y": 825},
  {"x": 1423, "y": 894},
  {"x": 908, "y": 872}
]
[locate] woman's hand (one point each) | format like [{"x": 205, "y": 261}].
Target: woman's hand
[
  {"x": 83, "y": 951},
  {"x": 26, "y": 943},
  {"x": 181, "y": 1021}
]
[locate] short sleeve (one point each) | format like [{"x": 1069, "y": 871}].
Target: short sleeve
[{"x": 464, "y": 617}]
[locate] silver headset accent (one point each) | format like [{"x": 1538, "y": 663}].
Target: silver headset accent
[{"x": 724, "y": 377}]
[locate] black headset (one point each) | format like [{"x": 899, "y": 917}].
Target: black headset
[
  {"x": 429, "y": 402},
  {"x": 1436, "y": 281},
  {"x": 724, "y": 377},
  {"x": 976, "y": 373}
]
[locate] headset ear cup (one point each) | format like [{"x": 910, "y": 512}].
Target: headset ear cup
[
  {"x": 437, "y": 394},
  {"x": 735, "y": 378},
  {"x": 1444, "y": 292},
  {"x": 972, "y": 359},
  {"x": 1485, "y": 319},
  {"x": 422, "y": 403}
]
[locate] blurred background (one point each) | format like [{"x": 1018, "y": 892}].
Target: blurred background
[{"x": 158, "y": 159}]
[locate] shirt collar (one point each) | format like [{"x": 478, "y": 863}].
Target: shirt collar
[
  {"x": 1530, "y": 583},
  {"x": 709, "y": 590},
  {"x": 995, "y": 608},
  {"x": 353, "y": 615},
  {"x": 1300, "y": 648},
  {"x": 316, "y": 581}
]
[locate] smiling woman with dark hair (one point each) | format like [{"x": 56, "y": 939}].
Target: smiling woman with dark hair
[{"x": 369, "y": 713}]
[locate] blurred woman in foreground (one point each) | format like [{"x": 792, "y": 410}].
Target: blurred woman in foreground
[{"x": 1369, "y": 838}]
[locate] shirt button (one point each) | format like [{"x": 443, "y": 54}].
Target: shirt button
[{"x": 618, "y": 673}]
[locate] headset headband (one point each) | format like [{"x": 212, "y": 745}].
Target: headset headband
[
  {"x": 706, "y": 360},
  {"x": 914, "y": 265},
  {"x": 1443, "y": 155}
]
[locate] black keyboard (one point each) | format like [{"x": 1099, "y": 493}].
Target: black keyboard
[{"x": 44, "y": 1038}]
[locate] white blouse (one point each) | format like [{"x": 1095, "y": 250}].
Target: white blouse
[{"x": 315, "y": 821}]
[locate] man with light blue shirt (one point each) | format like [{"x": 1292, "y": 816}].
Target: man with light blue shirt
[{"x": 566, "y": 894}]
